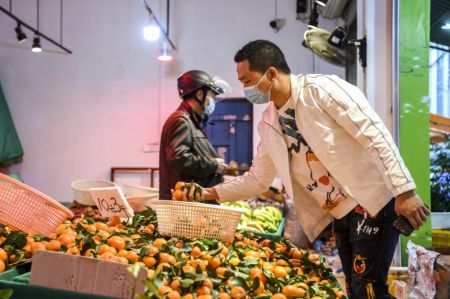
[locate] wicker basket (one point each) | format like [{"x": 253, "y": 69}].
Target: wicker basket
[
  {"x": 26, "y": 209},
  {"x": 196, "y": 220}
]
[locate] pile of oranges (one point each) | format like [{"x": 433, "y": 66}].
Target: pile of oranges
[{"x": 247, "y": 267}]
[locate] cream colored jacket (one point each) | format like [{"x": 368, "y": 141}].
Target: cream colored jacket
[{"x": 344, "y": 133}]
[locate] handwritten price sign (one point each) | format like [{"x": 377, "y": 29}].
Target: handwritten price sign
[{"x": 111, "y": 202}]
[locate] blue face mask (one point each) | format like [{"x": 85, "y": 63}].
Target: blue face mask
[
  {"x": 254, "y": 96},
  {"x": 210, "y": 108}
]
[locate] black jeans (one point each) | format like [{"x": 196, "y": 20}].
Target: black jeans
[{"x": 366, "y": 246}]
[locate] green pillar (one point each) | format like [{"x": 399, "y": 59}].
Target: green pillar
[{"x": 414, "y": 37}]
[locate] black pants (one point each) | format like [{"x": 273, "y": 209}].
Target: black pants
[{"x": 366, "y": 246}]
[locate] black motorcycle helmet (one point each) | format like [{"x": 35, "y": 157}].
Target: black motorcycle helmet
[{"x": 191, "y": 81}]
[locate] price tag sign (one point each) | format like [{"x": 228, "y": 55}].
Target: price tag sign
[{"x": 111, "y": 202}]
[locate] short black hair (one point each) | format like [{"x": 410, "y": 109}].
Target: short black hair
[{"x": 262, "y": 54}]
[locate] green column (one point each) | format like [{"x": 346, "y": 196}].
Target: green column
[{"x": 414, "y": 37}]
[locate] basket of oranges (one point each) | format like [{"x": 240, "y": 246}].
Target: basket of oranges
[{"x": 187, "y": 216}]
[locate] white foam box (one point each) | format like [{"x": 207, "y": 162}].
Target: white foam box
[{"x": 85, "y": 274}]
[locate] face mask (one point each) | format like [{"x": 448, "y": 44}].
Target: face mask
[
  {"x": 210, "y": 108},
  {"x": 254, "y": 96}
]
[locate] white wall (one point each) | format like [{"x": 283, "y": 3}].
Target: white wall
[{"x": 77, "y": 115}]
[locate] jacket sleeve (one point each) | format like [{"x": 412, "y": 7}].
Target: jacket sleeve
[
  {"x": 348, "y": 106},
  {"x": 179, "y": 155},
  {"x": 253, "y": 182}
]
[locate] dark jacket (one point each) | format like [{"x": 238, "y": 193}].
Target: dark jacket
[{"x": 185, "y": 153}]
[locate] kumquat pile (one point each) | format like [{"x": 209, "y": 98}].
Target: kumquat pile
[{"x": 247, "y": 267}]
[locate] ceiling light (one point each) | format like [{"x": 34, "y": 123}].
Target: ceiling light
[
  {"x": 36, "y": 44},
  {"x": 446, "y": 26},
  {"x": 322, "y": 2},
  {"x": 165, "y": 54},
  {"x": 21, "y": 36},
  {"x": 151, "y": 31}
]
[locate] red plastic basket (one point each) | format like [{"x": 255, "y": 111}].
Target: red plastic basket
[{"x": 26, "y": 209}]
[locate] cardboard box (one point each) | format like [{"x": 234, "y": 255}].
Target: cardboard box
[
  {"x": 85, "y": 275},
  {"x": 399, "y": 289}
]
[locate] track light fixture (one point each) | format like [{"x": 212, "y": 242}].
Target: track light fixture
[
  {"x": 36, "y": 44},
  {"x": 165, "y": 53},
  {"x": 322, "y": 3},
  {"x": 21, "y": 36},
  {"x": 314, "y": 17},
  {"x": 165, "y": 50}
]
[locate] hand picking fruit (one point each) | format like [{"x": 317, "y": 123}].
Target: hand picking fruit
[{"x": 187, "y": 192}]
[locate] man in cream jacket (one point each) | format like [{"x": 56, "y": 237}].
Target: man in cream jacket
[{"x": 336, "y": 159}]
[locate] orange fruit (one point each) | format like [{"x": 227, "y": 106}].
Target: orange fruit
[
  {"x": 108, "y": 256},
  {"x": 256, "y": 272},
  {"x": 37, "y": 246},
  {"x": 132, "y": 256},
  {"x": 159, "y": 242},
  {"x": 292, "y": 291},
  {"x": 66, "y": 240},
  {"x": 2, "y": 266},
  {"x": 214, "y": 262},
  {"x": 297, "y": 254},
  {"x": 122, "y": 252},
  {"x": 173, "y": 295},
  {"x": 205, "y": 297},
  {"x": 223, "y": 295},
  {"x": 279, "y": 272},
  {"x": 221, "y": 271},
  {"x": 89, "y": 252},
  {"x": 175, "y": 284},
  {"x": 260, "y": 290},
  {"x": 188, "y": 296},
  {"x": 114, "y": 220},
  {"x": 91, "y": 228},
  {"x": 203, "y": 290},
  {"x": 179, "y": 185},
  {"x": 117, "y": 242},
  {"x": 188, "y": 268},
  {"x": 177, "y": 195},
  {"x": 122, "y": 260},
  {"x": 53, "y": 245},
  {"x": 101, "y": 226},
  {"x": 164, "y": 290},
  {"x": 3, "y": 255},
  {"x": 196, "y": 251},
  {"x": 237, "y": 292},
  {"x": 73, "y": 250},
  {"x": 163, "y": 265},
  {"x": 279, "y": 296},
  {"x": 106, "y": 248}
]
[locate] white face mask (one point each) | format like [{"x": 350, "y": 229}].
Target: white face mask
[
  {"x": 253, "y": 94},
  {"x": 211, "y": 106}
]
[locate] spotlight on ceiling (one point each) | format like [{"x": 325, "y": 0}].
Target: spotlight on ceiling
[
  {"x": 21, "y": 36},
  {"x": 151, "y": 31},
  {"x": 36, "y": 44},
  {"x": 322, "y": 2},
  {"x": 446, "y": 26},
  {"x": 165, "y": 53},
  {"x": 314, "y": 17}
]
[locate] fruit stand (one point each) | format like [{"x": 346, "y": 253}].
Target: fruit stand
[
  {"x": 254, "y": 262},
  {"x": 248, "y": 266}
]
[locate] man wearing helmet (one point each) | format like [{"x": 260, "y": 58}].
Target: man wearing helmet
[{"x": 185, "y": 153}]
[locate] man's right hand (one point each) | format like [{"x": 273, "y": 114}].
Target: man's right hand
[{"x": 193, "y": 192}]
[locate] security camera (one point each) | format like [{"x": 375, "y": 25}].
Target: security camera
[{"x": 277, "y": 24}]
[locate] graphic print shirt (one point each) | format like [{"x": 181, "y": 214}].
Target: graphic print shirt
[{"x": 308, "y": 171}]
